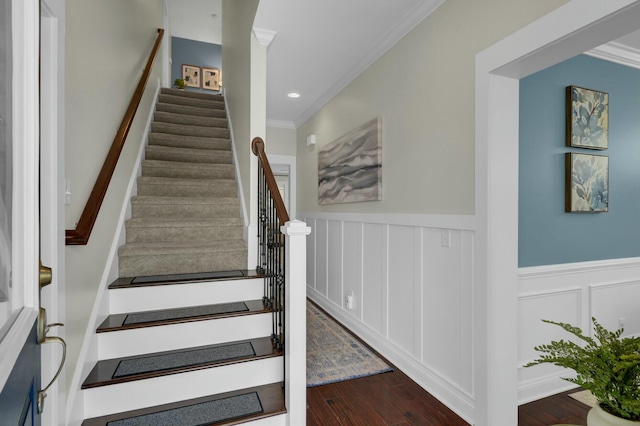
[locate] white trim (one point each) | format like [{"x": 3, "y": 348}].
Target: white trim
[
  {"x": 462, "y": 222},
  {"x": 571, "y": 29},
  {"x": 243, "y": 203},
  {"x": 75, "y": 403},
  {"x": 25, "y": 227},
  {"x": 166, "y": 52},
  {"x": 618, "y": 53},
  {"x": 264, "y": 37},
  {"x": 281, "y": 124},
  {"x": 387, "y": 41},
  {"x": 533, "y": 272},
  {"x": 291, "y": 161}
]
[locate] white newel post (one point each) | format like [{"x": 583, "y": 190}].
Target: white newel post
[{"x": 295, "y": 349}]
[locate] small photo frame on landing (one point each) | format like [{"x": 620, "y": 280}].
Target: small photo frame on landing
[
  {"x": 211, "y": 79},
  {"x": 191, "y": 75}
]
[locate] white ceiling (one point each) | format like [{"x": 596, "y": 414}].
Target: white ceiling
[{"x": 321, "y": 46}]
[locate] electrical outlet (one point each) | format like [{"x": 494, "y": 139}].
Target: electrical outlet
[
  {"x": 445, "y": 238},
  {"x": 349, "y": 300}
]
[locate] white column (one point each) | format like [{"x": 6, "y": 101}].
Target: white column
[{"x": 296, "y": 322}]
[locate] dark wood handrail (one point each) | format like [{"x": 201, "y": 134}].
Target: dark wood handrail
[
  {"x": 257, "y": 147},
  {"x": 80, "y": 235}
]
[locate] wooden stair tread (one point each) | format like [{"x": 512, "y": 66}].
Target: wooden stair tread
[
  {"x": 126, "y": 282},
  {"x": 104, "y": 370},
  {"x": 116, "y": 322},
  {"x": 271, "y": 397}
]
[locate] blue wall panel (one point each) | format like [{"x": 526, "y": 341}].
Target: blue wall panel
[
  {"x": 548, "y": 235},
  {"x": 192, "y": 52}
]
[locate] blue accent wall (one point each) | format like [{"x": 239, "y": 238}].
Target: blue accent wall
[
  {"x": 548, "y": 235},
  {"x": 192, "y": 52}
]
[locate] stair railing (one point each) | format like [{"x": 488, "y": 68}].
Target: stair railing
[
  {"x": 272, "y": 214},
  {"x": 80, "y": 235}
]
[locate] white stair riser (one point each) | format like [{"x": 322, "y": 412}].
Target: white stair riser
[
  {"x": 140, "y": 341},
  {"x": 177, "y": 387},
  {"x": 125, "y": 300},
  {"x": 279, "y": 420}
]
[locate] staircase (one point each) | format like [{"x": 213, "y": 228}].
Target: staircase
[{"x": 187, "y": 339}]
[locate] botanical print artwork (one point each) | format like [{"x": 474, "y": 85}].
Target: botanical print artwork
[
  {"x": 588, "y": 124},
  {"x": 350, "y": 168},
  {"x": 587, "y": 183},
  {"x": 211, "y": 78}
]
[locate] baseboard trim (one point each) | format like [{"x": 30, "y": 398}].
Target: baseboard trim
[{"x": 453, "y": 397}]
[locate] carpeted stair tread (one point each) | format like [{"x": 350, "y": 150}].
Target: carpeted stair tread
[
  {"x": 169, "y": 117},
  {"x": 193, "y": 95},
  {"x": 191, "y": 110},
  {"x": 187, "y": 101},
  {"x": 271, "y": 398},
  {"x": 194, "y": 207},
  {"x": 141, "y": 249},
  {"x": 177, "y": 169},
  {"x": 118, "y": 370},
  {"x": 150, "y": 199},
  {"x": 187, "y": 130},
  {"x": 155, "y": 230},
  {"x": 166, "y": 153},
  {"x": 170, "y": 257},
  {"x": 162, "y": 222},
  {"x": 173, "y": 187},
  {"x": 157, "y": 180},
  {"x": 133, "y": 320},
  {"x": 196, "y": 142}
]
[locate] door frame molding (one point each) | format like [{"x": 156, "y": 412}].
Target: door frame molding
[
  {"x": 573, "y": 28},
  {"x": 25, "y": 128}
]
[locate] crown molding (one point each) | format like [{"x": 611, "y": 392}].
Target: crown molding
[
  {"x": 264, "y": 37},
  {"x": 618, "y": 53},
  {"x": 386, "y": 42},
  {"x": 281, "y": 124}
]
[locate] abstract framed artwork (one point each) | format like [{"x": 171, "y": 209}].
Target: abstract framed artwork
[
  {"x": 587, "y": 183},
  {"x": 191, "y": 75},
  {"x": 211, "y": 78},
  {"x": 587, "y": 118},
  {"x": 350, "y": 168}
]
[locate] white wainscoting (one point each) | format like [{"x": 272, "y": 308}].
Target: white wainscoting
[
  {"x": 607, "y": 290},
  {"x": 413, "y": 294}
]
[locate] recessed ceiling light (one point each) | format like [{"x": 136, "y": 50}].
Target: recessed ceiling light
[{"x": 294, "y": 95}]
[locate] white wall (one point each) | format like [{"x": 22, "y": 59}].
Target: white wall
[
  {"x": 574, "y": 293},
  {"x": 281, "y": 141},
  {"x": 108, "y": 44},
  {"x": 413, "y": 296},
  {"x": 193, "y": 20},
  {"x": 237, "y": 40}
]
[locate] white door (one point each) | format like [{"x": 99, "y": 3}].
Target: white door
[{"x": 19, "y": 228}]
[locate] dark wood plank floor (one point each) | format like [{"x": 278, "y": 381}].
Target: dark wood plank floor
[{"x": 394, "y": 399}]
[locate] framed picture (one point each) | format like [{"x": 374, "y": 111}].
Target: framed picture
[
  {"x": 587, "y": 183},
  {"x": 191, "y": 75},
  {"x": 211, "y": 78},
  {"x": 587, "y": 118},
  {"x": 350, "y": 168}
]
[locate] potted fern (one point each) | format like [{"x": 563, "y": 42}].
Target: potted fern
[{"x": 608, "y": 366}]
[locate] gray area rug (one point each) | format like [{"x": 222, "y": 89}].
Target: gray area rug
[
  {"x": 205, "y": 413},
  {"x": 149, "y": 364},
  {"x": 333, "y": 354},
  {"x": 192, "y": 312},
  {"x": 187, "y": 277}
]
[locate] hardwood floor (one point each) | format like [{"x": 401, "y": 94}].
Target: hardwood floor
[{"x": 394, "y": 399}]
